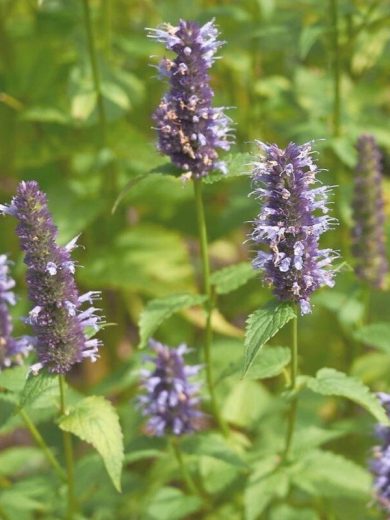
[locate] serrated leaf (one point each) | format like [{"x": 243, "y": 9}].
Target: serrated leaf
[
  {"x": 157, "y": 311},
  {"x": 327, "y": 474},
  {"x": 36, "y": 386},
  {"x": 94, "y": 420},
  {"x": 270, "y": 363},
  {"x": 232, "y": 277},
  {"x": 375, "y": 335},
  {"x": 214, "y": 446},
  {"x": 261, "y": 326},
  {"x": 329, "y": 381},
  {"x": 14, "y": 378}
]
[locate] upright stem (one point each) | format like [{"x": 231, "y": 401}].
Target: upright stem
[
  {"x": 42, "y": 444},
  {"x": 186, "y": 475},
  {"x": 294, "y": 373},
  {"x": 209, "y": 304},
  {"x": 68, "y": 454},
  {"x": 336, "y": 67}
]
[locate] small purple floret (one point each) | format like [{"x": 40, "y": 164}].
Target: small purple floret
[
  {"x": 368, "y": 233},
  {"x": 12, "y": 350},
  {"x": 62, "y": 328},
  {"x": 170, "y": 400},
  {"x": 291, "y": 220},
  {"x": 189, "y": 129},
  {"x": 380, "y": 465}
]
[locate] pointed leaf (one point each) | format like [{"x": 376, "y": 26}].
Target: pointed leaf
[
  {"x": 232, "y": 277},
  {"x": 270, "y": 363},
  {"x": 332, "y": 382},
  {"x": 213, "y": 446},
  {"x": 14, "y": 378},
  {"x": 37, "y": 385},
  {"x": 261, "y": 326},
  {"x": 157, "y": 311},
  {"x": 95, "y": 420}
]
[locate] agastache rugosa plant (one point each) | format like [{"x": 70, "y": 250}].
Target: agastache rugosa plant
[
  {"x": 292, "y": 218},
  {"x": 59, "y": 323},
  {"x": 380, "y": 465},
  {"x": 170, "y": 399},
  {"x": 190, "y": 130},
  {"x": 12, "y": 350},
  {"x": 368, "y": 235}
]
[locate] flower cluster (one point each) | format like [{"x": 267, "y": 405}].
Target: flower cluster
[
  {"x": 11, "y": 349},
  {"x": 368, "y": 236},
  {"x": 380, "y": 465},
  {"x": 189, "y": 129},
  {"x": 288, "y": 224},
  {"x": 59, "y": 324},
  {"x": 170, "y": 400}
]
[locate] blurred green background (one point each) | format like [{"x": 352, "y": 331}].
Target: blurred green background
[{"x": 77, "y": 91}]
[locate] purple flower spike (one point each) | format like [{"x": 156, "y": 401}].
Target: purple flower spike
[
  {"x": 189, "y": 129},
  {"x": 380, "y": 465},
  {"x": 292, "y": 218},
  {"x": 170, "y": 401},
  {"x": 368, "y": 234},
  {"x": 12, "y": 350},
  {"x": 63, "y": 329}
]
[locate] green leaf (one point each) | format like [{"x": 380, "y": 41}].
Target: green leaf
[
  {"x": 95, "y": 421},
  {"x": 14, "y": 378},
  {"x": 237, "y": 165},
  {"x": 116, "y": 94},
  {"x": 38, "y": 385},
  {"x": 232, "y": 277},
  {"x": 246, "y": 403},
  {"x": 270, "y": 363},
  {"x": 157, "y": 311},
  {"x": 371, "y": 367},
  {"x": 264, "y": 485},
  {"x": 172, "y": 504},
  {"x": 21, "y": 458},
  {"x": 212, "y": 445},
  {"x": 261, "y": 326},
  {"x": 289, "y": 513},
  {"x": 326, "y": 474},
  {"x": 83, "y": 104},
  {"x": 375, "y": 335},
  {"x": 332, "y": 382}
]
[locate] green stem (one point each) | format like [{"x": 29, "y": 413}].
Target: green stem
[
  {"x": 41, "y": 443},
  {"x": 191, "y": 487},
  {"x": 107, "y": 22},
  {"x": 95, "y": 71},
  {"x": 294, "y": 403},
  {"x": 209, "y": 304},
  {"x": 68, "y": 453},
  {"x": 336, "y": 67}
]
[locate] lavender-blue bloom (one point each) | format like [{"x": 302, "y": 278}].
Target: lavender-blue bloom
[
  {"x": 189, "y": 129},
  {"x": 288, "y": 224},
  {"x": 170, "y": 400},
  {"x": 368, "y": 234},
  {"x": 11, "y": 349},
  {"x": 58, "y": 321},
  {"x": 380, "y": 465}
]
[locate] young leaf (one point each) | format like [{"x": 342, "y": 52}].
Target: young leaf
[
  {"x": 332, "y": 382},
  {"x": 157, "y": 311},
  {"x": 261, "y": 326},
  {"x": 375, "y": 335},
  {"x": 232, "y": 277},
  {"x": 14, "y": 378},
  {"x": 95, "y": 420},
  {"x": 36, "y": 386},
  {"x": 270, "y": 363},
  {"x": 326, "y": 474}
]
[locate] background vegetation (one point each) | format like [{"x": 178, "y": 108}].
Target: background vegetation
[{"x": 76, "y": 96}]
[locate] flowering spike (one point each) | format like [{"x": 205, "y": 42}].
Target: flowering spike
[
  {"x": 11, "y": 349},
  {"x": 170, "y": 400},
  {"x": 288, "y": 224},
  {"x": 189, "y": 129},
  {"x": 58, "y": 322},
  {"x": 380, "y": 465},
  {"x": 368, "y": 235}
]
